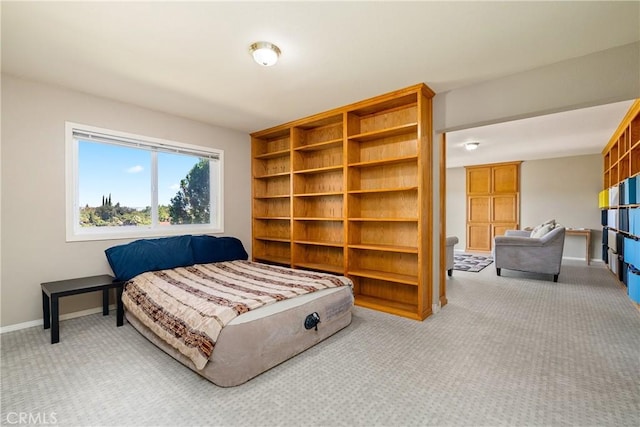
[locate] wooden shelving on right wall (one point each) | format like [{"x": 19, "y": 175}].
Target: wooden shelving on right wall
[
  {"x": 620, "y": 203},
  {"x": 622, "y": 153}
]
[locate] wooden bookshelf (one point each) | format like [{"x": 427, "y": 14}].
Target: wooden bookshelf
[
  {"x": 349, "y": 191},
  {"x": 271, "y": 189},
  {"x": 621, "y": 155},
  {"x": 621, "y": 160}
]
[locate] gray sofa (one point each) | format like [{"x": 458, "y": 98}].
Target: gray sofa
[
  {"x": 451, "y": 242},
  {"x": 516, "y": 250}
]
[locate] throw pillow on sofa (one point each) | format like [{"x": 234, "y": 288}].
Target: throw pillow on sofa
[
  {"x": 537, "y": 228},
  {"x": 536, "y": 234}
]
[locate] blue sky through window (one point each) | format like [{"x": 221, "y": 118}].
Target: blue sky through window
[{"x": 125, "y": 173}]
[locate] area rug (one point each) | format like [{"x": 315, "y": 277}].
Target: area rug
[{"x": 470, "y": 262}]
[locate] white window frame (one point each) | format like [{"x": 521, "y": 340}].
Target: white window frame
[{"x": 74, "y": 232}]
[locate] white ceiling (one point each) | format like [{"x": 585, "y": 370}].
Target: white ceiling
[
  {"x": 570, "y": 133},
  {"x": 191, "y": 58}
]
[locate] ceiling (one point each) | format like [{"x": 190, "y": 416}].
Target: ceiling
[
  {"x": 191, "y": 58},
  {"x": 570, "y": 133}
]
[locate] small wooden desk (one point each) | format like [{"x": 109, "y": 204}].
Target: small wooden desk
[{"x": 582, "y": 232}]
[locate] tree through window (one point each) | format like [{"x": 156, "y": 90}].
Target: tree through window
[{"x": 191, "y": 205}]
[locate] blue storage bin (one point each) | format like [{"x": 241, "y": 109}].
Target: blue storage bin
[
  {"x": 612, "y": 218},
  {"x": 633, "y": 287},
  {"x": 631, "y": 254},
  {"x": 631, "y": 191},
  {"x": 620, "y": 244},
  {"x": 634, "y": 221},
  {"x": 625, "y": 273},
  {"x": 622, "y": 196},
  {"x": 623, "y": 219},
  {"x": 621, "y": 269}
]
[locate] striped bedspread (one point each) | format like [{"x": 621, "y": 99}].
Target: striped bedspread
[{"x": 188, "y": 307}]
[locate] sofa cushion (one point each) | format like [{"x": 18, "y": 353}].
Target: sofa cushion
[{"x": 127, "y": 261}]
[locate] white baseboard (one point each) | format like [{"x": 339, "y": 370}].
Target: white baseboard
[
  {"x": 573, "y": 258},
  {"x": 40, "y": 322}
]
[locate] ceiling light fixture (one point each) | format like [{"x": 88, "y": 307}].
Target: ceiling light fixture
[
  {"x": 265, "y": 53},
  {"x": 469, "y": 146}
]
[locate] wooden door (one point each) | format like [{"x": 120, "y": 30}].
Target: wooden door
[
  {"x": 492, "y": 203},
  {"x": 479, "y": 208},
  {"x": 479, "y": 237},
  {"x": 505, "y": 179},
  {"x": 500, "y": 229},
  {"x": 479, "y": 223},
  {"x": 479, "y": 180},
  {"x": 504, "y": 208}
]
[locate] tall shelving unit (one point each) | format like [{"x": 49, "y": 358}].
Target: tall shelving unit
[
  {"x": 622, "y": 154},
  {"x": 384, "y": 183},
  {"x": 318, "y": 196},
  {"x": 356, "y": 183},
  {"x": 271, "y": 188},
  {"x": 621, "y": 158}
]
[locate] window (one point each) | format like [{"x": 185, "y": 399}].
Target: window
[{"x": 121, "y": 185}]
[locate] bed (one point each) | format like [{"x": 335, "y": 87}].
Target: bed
[{"x": 228, "y": 319}]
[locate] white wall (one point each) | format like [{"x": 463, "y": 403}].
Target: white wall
[
  {"x": 600, "y": 78},
  {"x": 456, "y": 196},
  {"x": 33, "y": 187},
  {"x": 565, "y": 189}
]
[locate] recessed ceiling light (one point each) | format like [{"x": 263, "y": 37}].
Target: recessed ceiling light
[
  {"x": 264, "y": 53},
  {"x": 471, "y": 145}
]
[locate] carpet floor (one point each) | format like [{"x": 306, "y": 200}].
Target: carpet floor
[{"x": 516, "y": 350}]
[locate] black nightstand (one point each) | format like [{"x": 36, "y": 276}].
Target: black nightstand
[{"x": 52, "y": 291}]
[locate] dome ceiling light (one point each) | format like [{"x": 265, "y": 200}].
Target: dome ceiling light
[{"x": 265, "y": 53}]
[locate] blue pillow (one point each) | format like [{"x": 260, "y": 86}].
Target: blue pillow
[
  {"x": 233, "y": 249},
  {"x": 127, "y": 261},
  {"x": 208, "y": 249}
]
